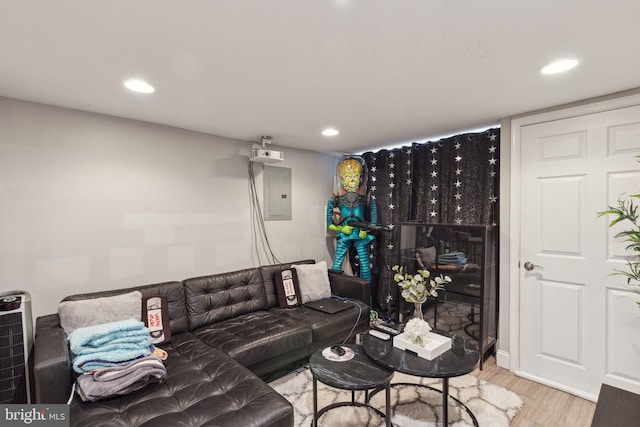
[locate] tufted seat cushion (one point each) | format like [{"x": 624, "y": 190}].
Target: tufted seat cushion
[
  {"x": 204, "y": 387},
  {"x": 326, "y": 327},
  {"x": 256, "y": 337}
]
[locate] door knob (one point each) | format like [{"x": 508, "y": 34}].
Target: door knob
[{"x": 530, "y": 266}]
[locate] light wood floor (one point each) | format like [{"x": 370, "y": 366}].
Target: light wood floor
[{"x": 543, "y": 406}]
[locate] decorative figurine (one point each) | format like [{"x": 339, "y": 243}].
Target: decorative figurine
[{"x": 352, "y": 214}]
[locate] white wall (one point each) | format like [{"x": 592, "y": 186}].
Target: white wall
[{"x": 91, "y": 202}]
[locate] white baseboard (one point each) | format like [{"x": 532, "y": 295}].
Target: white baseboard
[
  {"x": 562, "y": 387},
  {"x": 503, "y": 359}
]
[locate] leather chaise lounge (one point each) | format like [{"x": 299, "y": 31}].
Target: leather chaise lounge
[{"x": 228, "y": 335}]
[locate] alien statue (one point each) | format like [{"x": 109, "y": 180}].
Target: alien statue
[{"x": 351, "y": 213}]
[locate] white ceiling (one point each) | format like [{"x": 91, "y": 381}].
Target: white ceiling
[{"x": 381, "y": 71}]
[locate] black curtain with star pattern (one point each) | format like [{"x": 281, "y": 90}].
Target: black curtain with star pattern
[{"x": 453, "y": 181}]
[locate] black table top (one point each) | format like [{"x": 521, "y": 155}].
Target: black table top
[
  {"x": 359, "y": 373},
  {"x": 616, "y": 407},
  {"x": 462, "y": 358}
]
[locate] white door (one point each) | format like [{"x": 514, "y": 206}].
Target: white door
[{"x": 579, "y": 326}]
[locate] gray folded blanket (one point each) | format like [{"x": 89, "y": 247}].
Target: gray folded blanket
[{"x": 117, "y": 381}]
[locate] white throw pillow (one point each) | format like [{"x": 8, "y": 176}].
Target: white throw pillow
[
  {"x": 313, "y": 280},
  {"x": 95, "y": 311}
]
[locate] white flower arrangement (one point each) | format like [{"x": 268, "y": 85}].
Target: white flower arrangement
[
  {"x": 417, "y": 330},
  {"x": 416, "y": 289}
]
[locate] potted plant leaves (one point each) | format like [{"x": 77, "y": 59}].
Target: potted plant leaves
[{"x": 626, "y": 212}]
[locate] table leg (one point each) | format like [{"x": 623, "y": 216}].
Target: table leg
[
  {"x": 388, "y": 403},
  {"x": 445, "y": 401},
  {"x": 315, "y": 403}
]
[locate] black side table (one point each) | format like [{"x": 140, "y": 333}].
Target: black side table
[
  {"x": 358, "y": 373},
  {"x": 462, "y": 358}
]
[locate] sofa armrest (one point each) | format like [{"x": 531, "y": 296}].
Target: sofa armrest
[
  {"x": 350, "y": 287},
  {"x": 51, "y": 366}
]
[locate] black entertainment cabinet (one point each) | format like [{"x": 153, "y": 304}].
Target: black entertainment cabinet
[{"x": 467, "y": 254}]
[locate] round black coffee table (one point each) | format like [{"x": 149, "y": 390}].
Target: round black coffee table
[
  {"x": 358, "y": 373},
  {"x": 462, "y": 358}
]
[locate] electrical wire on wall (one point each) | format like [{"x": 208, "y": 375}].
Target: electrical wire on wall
[{"x": 259, "y": 238}]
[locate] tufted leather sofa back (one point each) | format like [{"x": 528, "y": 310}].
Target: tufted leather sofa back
[
  {"x": 203, "y": 300},
  {"x": 268, "y": 272},
  {"x": 223, "y": 296},
  {"x": 174, "y": 291}
]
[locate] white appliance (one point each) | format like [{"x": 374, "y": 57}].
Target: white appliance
[
  {"x": 260, "y": 154},
  {"x": 265, "y": 156},
  {"x": 16, "y": 342}
]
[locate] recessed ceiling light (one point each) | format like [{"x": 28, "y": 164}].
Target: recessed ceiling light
[
  {"x": 139, "y": 86},
  {"x": 559, "y": 66},
  {"x": 330, "y": 132}
]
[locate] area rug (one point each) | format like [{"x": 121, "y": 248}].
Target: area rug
[{"x": 412, "y": 406}]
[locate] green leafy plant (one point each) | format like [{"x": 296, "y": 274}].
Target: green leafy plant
[
  {"x": 417, "y": 288},
  {"x": 626, "y": 211}
]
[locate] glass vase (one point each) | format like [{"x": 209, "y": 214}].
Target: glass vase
[{"x": 417, "y": 311}]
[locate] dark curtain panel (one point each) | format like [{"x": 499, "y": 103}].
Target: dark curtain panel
[{"x": 454, "y": 180}]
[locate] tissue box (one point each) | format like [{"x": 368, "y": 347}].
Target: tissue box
[{"x": 436, "y": 345}]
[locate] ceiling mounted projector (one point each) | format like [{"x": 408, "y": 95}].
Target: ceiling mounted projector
[
  {"x": 262, "y": 155},
  {"x": 266, "y": 156}
]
